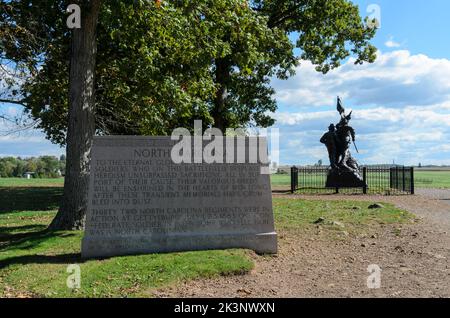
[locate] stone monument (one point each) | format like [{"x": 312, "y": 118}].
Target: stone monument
[
  {"x": 344, "y": 170},
  {"x": 140, "y": 201}
]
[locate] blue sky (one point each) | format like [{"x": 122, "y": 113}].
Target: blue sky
[
  {"x": 401, "y": 103},
  {"x": 421, "y": 26}
]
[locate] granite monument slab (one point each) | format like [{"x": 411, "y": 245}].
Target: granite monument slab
[{"x": 141, "y": 202}]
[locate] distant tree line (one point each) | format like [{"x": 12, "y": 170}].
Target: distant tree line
[{"x": 40, "y": 167}]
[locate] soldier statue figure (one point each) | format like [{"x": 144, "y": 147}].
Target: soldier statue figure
[
  {"x": 329, "y": 139},
  {"x": 344, "y": 169}
]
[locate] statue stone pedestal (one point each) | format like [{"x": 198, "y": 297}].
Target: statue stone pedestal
[{"x": 342, "y": 178}]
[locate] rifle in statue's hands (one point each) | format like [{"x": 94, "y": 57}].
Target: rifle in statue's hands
[{"x": 354, "y": 143}]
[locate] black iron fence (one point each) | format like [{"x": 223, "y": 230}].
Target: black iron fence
[{"x": 379, "y": 180}]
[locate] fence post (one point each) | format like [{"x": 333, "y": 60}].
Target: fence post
[
  {"x": 365, "y": 180},
  {"x": 293, "y": 175},
  {"x": 412, "y": 180},
  {"x": 396, "y": 179},
  {"x": 404, "y": 179},
  {"x": 391, "y": 179}
]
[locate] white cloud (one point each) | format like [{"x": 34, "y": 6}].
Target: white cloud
[
  {"x": 28, "y": 143},
  {"x": 396, "y": 79},
  {"x": 401, "y": 109},
  {"x": 391, "y": 43}
]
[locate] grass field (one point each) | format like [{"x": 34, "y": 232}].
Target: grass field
[
  {"x": 423, "y": 179},
  {"x": 432, "y": 179},
  {"x": 33, "y": 262},
  {"x": 281, "y": 180},
  {"x": 22, "y": 182}
]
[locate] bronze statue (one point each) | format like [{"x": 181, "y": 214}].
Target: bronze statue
[
  {"x": 344, "y": 169},
  {"x": 329, "y": 139}
]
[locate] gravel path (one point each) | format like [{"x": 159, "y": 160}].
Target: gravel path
[
  {"x": 431, "y": 204},
  {"x": 414, "y": 259},
  {"x": 437, "y": 194}
]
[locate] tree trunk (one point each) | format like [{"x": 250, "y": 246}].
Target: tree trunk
[
  {"x": 223, "y": 77},
  {"x": 81, "y": 125}
]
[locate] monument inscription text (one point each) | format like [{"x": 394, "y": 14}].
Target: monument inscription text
[{"x": 140, "y": 201}]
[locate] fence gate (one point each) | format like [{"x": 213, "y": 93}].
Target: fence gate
[{"x": 402, "y": 179}]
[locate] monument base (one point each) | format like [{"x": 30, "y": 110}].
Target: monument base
[
  {"x": 339, "y": 178},
  {"x": 262, "y": 243}
]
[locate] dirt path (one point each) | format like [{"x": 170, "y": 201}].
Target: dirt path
[{"x": 414, "y": 260}]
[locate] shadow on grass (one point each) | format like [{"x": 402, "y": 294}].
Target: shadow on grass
[
  {"x": 30, "y": 240},
  {"x": 8, "y": 231},
  {"x": 26, "y": 241},
  {"x": 42, "y": 259},
  {"x": 29, "y": 199}
]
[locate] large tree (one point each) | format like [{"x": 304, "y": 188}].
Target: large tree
[
  {"x": 142, "y": 84},
  {"x": 327, "y": 32},
  {"x": 81, "y": 122},
  {"x": 152, "y": 75},
  {"x": 161, "y": 65},
  {"x": 206, "y": 59}
]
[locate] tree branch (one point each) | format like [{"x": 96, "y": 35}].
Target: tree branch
[{"x": 16, "y": 102}]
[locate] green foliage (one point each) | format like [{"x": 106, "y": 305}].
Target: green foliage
[
  {"x": 42, "y": 167},
  {"x": 328, "y": 30},
  {"x": 160, "y": 67}
]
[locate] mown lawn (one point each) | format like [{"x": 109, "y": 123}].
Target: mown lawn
[{"x": 33, "y": 262}]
